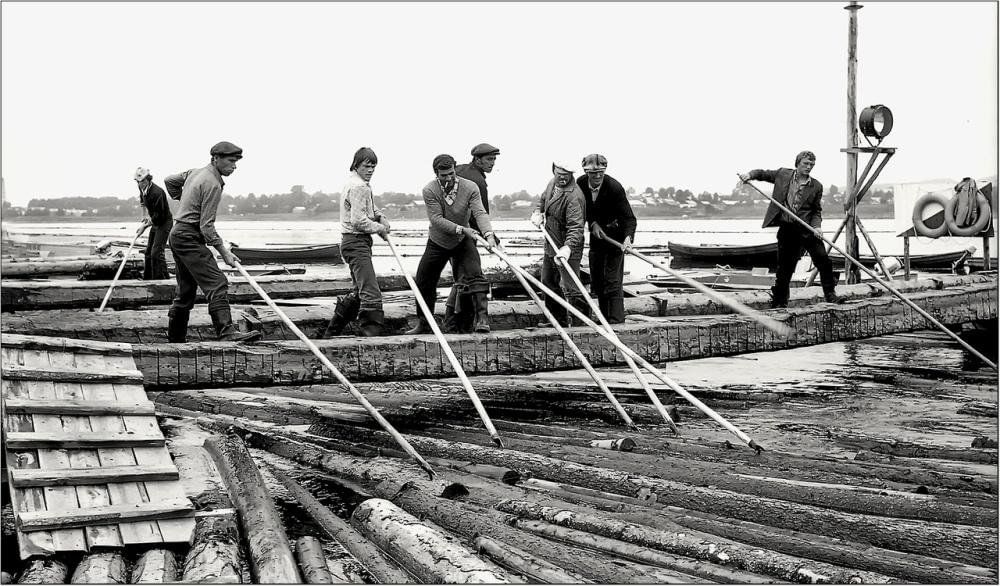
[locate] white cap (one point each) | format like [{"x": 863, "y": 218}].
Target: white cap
[
  {"x": 564, "y": 165},
  {"x": 141, "y": 173}
]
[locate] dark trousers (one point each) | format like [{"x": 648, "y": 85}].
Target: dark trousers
[
  {"x": 607, "y": 267},
  {"x": 792, "y": 239},
  {"x": 465, "y": 266},
  {"x": 155, "y": 257},
  {"x": 555, "y": 277},
  {"x": 356, "y": 249},
  {"x": 196, "y": 267}
]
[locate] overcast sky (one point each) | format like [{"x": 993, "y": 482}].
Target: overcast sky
[{"x": 673, "y": 94}]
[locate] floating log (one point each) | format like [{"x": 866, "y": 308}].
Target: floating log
[
  {"x": 370, "y": 557},
  {"x": 312, "y": 560},
  {"x": 214, "y": 556},
  {"x": 270, "y": 553},
  {"x": 155, "y": 566},
  {"x": 525, "y": 564},
  {"x": 94, "y": 268},
  {"x": 46, "y": 570},
  {"x": 426, "y": 553},
  {"x": 101, "y": 568}
]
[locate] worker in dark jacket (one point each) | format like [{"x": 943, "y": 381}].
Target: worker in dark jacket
[
  {"x": 562, "y": 211},
  {"x": 608, "y": 215},
  {"x": 484, "y": 157},
  {"x": 158, "y": 219},
  {"x": 200, "y": 191},
  {"x": 797, "y": 190}
]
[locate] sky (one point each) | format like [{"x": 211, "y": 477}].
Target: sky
[{"x": 674, "y": 94}]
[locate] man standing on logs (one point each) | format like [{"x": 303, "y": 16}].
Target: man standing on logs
[
  {"x": 200, "y": 191},
  {"x": 359, "y": 219},
  {"x": 451, "y": 202},
  {"x": 159, "y": 221},
  {"x": 801, "y": 193},
  {"x": 484, "y": 157},
  {"x": 608, "y": 214},
  {"x": 562, "y": 211}
]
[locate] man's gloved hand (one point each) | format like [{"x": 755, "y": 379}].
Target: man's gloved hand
[
  {"x": 597, "y": 232},
  {"x": 537, "y": 218},
  {"x": 563, "y": 252}
]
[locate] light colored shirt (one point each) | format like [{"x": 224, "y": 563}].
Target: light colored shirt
[
  {"x": 358, "y": 214},
  {"x": 200, "y": 194}
]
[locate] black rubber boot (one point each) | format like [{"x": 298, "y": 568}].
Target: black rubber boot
[
  {"x": 582, "y": 306},
  {"x": 226, "y": 330},
  {"x": 449, "y": 325},
  {"x": 372, "y": 322},
  {"x": 616, "y": 310},
  {"x": 832, "y": 297},
  {"x": 177, "y": 325},
  {"x": 778, "y": 302},
  {"x": 345, "y": 313},
  {"x": 481, "y": 306}
]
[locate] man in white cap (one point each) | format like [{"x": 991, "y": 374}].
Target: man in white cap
[
  {"x": 158, "y": 219},
  {"x": 562, "y": 210},
  {"x": 608, "y": 215}
]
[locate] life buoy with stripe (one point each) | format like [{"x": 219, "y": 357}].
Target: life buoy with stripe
[
  {"x": 919, "y": 226},
  {"x": 985, "y": 215}
]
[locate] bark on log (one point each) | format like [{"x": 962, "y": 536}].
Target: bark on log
[
  {"x": 425, "y": 552},
  {"x": 155, "y": 566},
  {"x": 270, "y": 553},
  {"x": 215, "y": 556},
  {"x": 101, "y": 568},
  {"x": 385, "y": 570},
  {"x": 44, "y": 571},
  {"x": 699, "y": 546},
  {"x": 312, "y": 560},
  {"x": 523, "y": 563}
]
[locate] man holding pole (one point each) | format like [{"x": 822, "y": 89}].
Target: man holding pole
[
  {"x": 801, "y": 193},
  {"x": 608, "y": 215},
  {"x": 200, "y": 191},
  {"x": 159, "y": 221},
  {"x": 562, "y": 213},
  {"x": 451, "y": 202}
]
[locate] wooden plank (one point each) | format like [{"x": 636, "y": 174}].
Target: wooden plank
[
  {"x": 98, "y": 475},
  {"x": 79, "y": 407},
  {"x": 48, "y": 520},
  {"x": 9, "y": 340},
  {"x": 85, "y": 440},
  {"x": 70, "y": 375}
]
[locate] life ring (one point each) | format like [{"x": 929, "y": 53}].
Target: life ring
[
  {"x": 985, "y": 215},
  {"x": 919, "y": 226}
]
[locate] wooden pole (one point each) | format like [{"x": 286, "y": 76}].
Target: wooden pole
[
  {"x": 871, "y": 246},
  {"x": 576, "y": 351},
  {"x": 455, "y": 363},
  {"x": 607, "y": 327},
  {"x": 340, "y": 377},
  {"x": 852, "y": 137},
  {"x": 118, "y": 274},
  {"x": 887, "y": 286},
  {"x": 625, "y": 350}
]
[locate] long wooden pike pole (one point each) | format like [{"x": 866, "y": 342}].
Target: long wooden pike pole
[
  {"x": 627, "y": 351},
  {"x": 455, "y": 363},
  {"x": 884, "y": 284},
  {"x": 576, "y": 351},
  {"x": 343, "y": 379},
  {"x": 121, "y": 267},
  {"x": 607, "y": 327}
]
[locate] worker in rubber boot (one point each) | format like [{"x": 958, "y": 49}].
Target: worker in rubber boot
[
  {"x": 562, "y": 211},
  {"x": 359, "y": 219},
  {"x": 608, "y": 215},
  {"x": 199, "y": 192},
  {"x": 158, "y": 219},
  {"x": 484, "y": 157},
  {"x": 451, "y": 201},
  {"x": 801, "y": 193}
]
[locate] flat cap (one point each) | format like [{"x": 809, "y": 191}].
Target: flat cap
[
  {"x": 483, "y": 149},
  {"x": 594, "y": 162},
  {"x": 226, "y": 149}
]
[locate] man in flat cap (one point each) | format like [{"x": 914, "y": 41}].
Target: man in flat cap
[
  {"x": 484, "y": 157},
  {"x": 608, "y": 215},
  {"x": 562, "y": 211},
  {"x": 802, "y": 194},
  {"x": 158, "y": 219},
  {"x": 200, "y": 191},
  {"x": 451, "y": 201}
]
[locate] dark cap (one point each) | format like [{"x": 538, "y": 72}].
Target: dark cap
[
  {"x": 483, "y": 149},
  {"x": 442, "y": 162},
  {"x": 226, "y": 149}
]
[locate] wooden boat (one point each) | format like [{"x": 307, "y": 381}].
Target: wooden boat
[{"x": 313, "y": 253}]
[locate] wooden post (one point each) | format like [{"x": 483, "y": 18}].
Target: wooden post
[
  {"x": 986, "y": 254},
  {"x": 906, "y": 258},
  {"x": 853, "y": 276}
]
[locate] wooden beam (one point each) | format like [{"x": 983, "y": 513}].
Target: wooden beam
[
  {"x": 78, "y": 407},
  {"x": 47, "y": 520},
  {"x": 85, "y": 440},
  {"x": 9, "y": 340},
  {"x": 66, "y": 375},
  {"x": 26, "y": 477}
]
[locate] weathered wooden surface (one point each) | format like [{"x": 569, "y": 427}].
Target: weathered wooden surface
[
  {"x": 101, "y": 568},
  {"x": 215, "y": 555},
  {"x": 155, "y": 566},
  {"x": 44, "y": 571},
  {"x": 94, "y": 268},
  {"x": 312, "y": 560}
]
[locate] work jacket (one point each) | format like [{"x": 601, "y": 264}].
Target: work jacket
[
  {"x": 810, "y": 208},
  {"x": 564, "y": 210}
]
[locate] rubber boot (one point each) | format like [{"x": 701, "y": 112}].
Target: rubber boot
[
  {"x": 177, "y": 325},
  {"x": 481, "y": 322},
  {"x": 345, "y": 313},
  {"x": 226, "y": 330},
  {"x": 422, "y": 328},
  {"x": 832, "y": 297},
  {"x": 372, "y": 322},
  {"x": 616, "y": 310},
  {"x": 449, "y": 325},
  {"x": 778, "y": 302},
  {"x": 581, "y": 305}
]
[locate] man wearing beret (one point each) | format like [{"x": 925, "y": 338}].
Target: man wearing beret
[
  {"x": 608, "y": 215},
  {"x": 159, "y": 221},
  {"x": 200, "y": 191},
  {"x": 484, "y": 157},
  {"x": 451, "y": 201}
]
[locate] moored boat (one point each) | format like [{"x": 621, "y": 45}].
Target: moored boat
[{"x": 312, "y": 253}]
